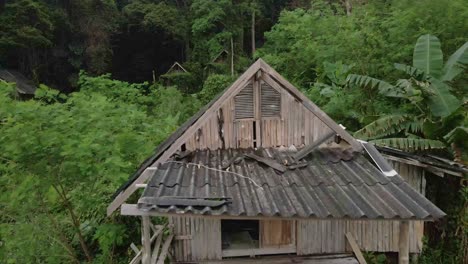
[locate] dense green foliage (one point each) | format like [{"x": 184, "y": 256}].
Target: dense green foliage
[
  {"x": 65, "y": 152},
  {"x": 433, "y": 108},
  {"x": 64, "y": 156}
]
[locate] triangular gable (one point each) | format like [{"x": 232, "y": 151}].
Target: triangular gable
[
  {"x": 183, "y": 135},
  {"x": 176, "y": 66}
]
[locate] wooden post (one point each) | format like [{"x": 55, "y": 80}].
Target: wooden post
[
  {"x": 146, "y": 239},
  {"x": 356, "y": 250},
  {"x": 403, "y": 243}
]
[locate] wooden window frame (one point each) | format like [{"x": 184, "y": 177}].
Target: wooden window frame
[{"x": 259, "y": 102}]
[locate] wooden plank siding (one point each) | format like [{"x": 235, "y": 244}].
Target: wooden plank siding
[
  {"x": 296, "y": 126},
  {"x": 277, "y": 233},
  {"x": 202, "y": 238},
  {"x": 328, "y": 236}
]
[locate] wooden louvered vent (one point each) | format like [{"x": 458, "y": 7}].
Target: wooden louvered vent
[
  {"x": 244, "y": 101},
  {"x": 270, "y": 101}
]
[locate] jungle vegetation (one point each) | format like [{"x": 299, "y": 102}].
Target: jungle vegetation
[{"x": 392, "y": 71}]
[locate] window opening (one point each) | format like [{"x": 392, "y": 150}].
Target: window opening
[{"x": 240, "y": 234}]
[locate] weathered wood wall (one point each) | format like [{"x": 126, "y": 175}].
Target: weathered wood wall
[
  {"x": 297, "y": 126},
  {"x": 196, "y": 238},
  {"x": 277, "y": 233},
  {"x": 414, "y": 175},
  {"x": 328, "y": 236}
]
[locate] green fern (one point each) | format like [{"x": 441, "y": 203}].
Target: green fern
[
  {"x": 384, "y": 126},
  {"x": 410, "y": 144}
]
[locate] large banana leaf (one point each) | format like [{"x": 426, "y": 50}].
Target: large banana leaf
[
  {"x": 384, "y": 126},
  {"x": 409, "y": 144},
  {"x": 442, "y": 102},
  {"x": 427, "y": 55},
  {"x": 456, "y": 63}
]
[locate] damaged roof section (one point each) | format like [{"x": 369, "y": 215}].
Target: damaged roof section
[
  {"x": 327, "y": 183},
  {"x": 438, "y": 165}
]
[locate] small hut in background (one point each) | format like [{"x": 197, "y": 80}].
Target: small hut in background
[
  {"x": 25, "y": 88},
  {"x": 179, "y": 76},
  {"x": 220, "y": 64}
]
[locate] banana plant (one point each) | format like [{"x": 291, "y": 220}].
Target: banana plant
[{"x": 428, "y": 88}]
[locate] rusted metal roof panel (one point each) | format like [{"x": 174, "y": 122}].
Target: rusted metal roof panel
[{"x": 333, "y": 183}]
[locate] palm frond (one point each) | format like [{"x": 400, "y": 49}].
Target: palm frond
[
  {"x": 459, "y": 133},
  {"x": 414, "y": 126},
  {"x": 366, "y": 81},
  {"x": 456, "y": 63},
  {"x": 384, "y": 126},
  {"x": 410, "y": 70},
  {"x": 410, "y": 144}
]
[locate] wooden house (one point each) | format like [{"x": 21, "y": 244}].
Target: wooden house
[
  {"x": 175, "y": 71},
  {"x": 25, "y": 88},
  {"x": 261, "y": 170},
  {"x": 219, "y": 64}
]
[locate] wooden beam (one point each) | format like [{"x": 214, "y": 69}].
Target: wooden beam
[
  {"x": 433, "y": 169},
  {"x": 257, "y": 110},
  {"x": 269, "y": 162},
  {"x": 307, "y": 149},
  {"x": 123, "y": 196},
  {"x": 259, "y": 251},
  {"x": 137, "y": 258},
  {"x": 134, "y": 248},
  {"x": 157, "y": 245},
  {"x": 146, "y": 239},
  {"x": 355, "y": 248},
  {"x": 132, "y": 209},
  {"x": 403, "y": 243},
  {"x": 165, "y": 249}
]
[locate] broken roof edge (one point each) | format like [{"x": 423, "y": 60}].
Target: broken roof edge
[
  {"x": 425, "y": 161},
  {"x": 121, "y": 195},
  {"x": 133, "y": 210}
]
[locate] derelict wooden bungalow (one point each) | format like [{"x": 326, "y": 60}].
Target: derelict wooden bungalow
[{"x": 261, "y": 170}]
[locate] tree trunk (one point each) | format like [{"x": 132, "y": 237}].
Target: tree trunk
[
  {"x": 253, "y": 33},
  {"x": 232, "y": 56},
  {"x": 75, "y": 221}
]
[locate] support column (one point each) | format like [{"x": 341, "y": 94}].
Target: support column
[
  {"x": 403, "y": 243},
  {"x": 145, "y": 240}
]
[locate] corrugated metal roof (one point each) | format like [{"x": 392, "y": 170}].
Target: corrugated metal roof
[
  {"x": 23, "y": 85},
  {"x": 333, "y": 183}
]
